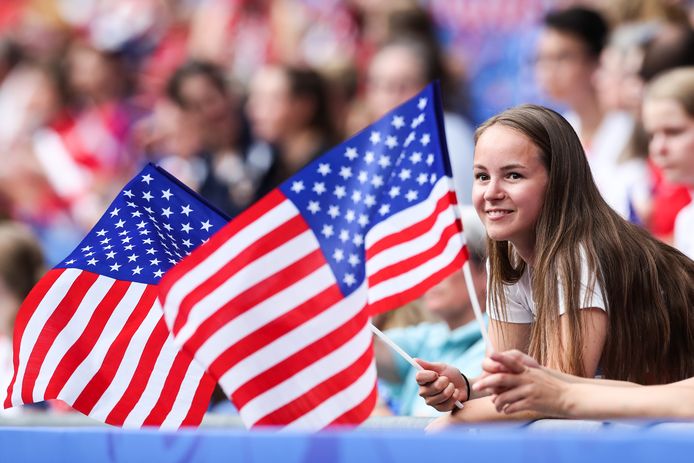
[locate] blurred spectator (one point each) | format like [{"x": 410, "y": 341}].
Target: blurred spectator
[
  {"x": 399, "y": 70},
  {"x": 289, "y": 115},
  {"x": 214, "y": 160},
  {"x": 21, "y": 266},
  {"x": 455, "y": 337}
]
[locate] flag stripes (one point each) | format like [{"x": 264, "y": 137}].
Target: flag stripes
[{"x": 110, "y": 354}]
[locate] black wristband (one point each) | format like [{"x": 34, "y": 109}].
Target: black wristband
[{"x": 467, "y": 386}]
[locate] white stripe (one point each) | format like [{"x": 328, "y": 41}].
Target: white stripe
[
  {"x": 252, "y": 274},
  {"x": 84, "y": 373},
  {"x": 74, "y": 328},
  {"x": 126, "y": 369},
  {"x": 410, "y": 216},
  {"x": 269, "y": 221},
  {"x": 185, "y": 396},
  {"x": 297, "y": 385},
  {"x": 67, "y": 178},
  {"x": 405, "y": 281},
  {"x": 35, "y": 325},
  {"x": 407, "y": 249},
  {"x": 268, "y": 310},
  {"x": 335, "y": 406},
  {"x": 292, "y": 342},
  {"x": 155, "y": 384}
]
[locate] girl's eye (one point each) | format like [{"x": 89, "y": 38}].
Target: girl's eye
[
  {"x": 481, "y": 176},
  {"x": 514, "y": 176}
]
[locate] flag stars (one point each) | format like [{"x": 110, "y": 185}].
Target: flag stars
[
  {"x": 142, "y": 224},
  {"x": 349, "y": 279},
  {"x": 206, "y": 225},
  {"x": 405, "y": 174},
  {"x": 154, "y": 261},
  {"x": 432, "y": 178},
  {"x": 166, "y": 212},
  {"x": 92, "y": 261},
  {"x": 384, "y": 209},
  {"x": 111, "y": 255},
  {"x": 333, "y": 211},
  {"x": 398, "y": 122},
  {"x": 417, "y": 121},
  {"x": 384, "y": 161},
  {"x": 363, "y": 176},
  {"x": 128, "y": 193},
  {"x": 350, "y": 216},
  {"x": 394, "y": 192},
  {"x": 298, "y": 186},
  {"x": 147, "y": 195},
  {"x": 422, "y": 178},
  {"x": 126, "y": 240},
  {"x": 375, "y": 137},
  {"x": 319, "y": 188},
  {"x": 340, "y": 191},
  {"x": 363, "y": 220},
  {"x": 120, "y": 224},
  {"x": 370, "y": 200},
  {"x": 425, "y": 140},
  {"x": 137, "y": 270},
  {"x": 369, "y": 157},
  {"x": 115, "y": 212},
  {"x": 338, "y": 255},
  {"x": 147, "y": 178},
  {"x": 377, "y": 181},
  {"x": 101, "y": 232},
  {"x": 313, "y": 207},
  {"x": 151, "y": 251},
  {"x": 416, "y": 157},
  {"x": 136, "y": 214},
  {"x": 148, "y": 210},
  {"x": 391, "y": 141},
  {"x": 358, "y": 239},
  {"x": 411, "y": 195},
  {"x": 186, "y": 227},
  {"x": 131, "y": 204},
  {"x": 354, "y": 260},
  {"x": 345, "y": 172},
  {"x": 132, "y": 257},
  {"x": 327, "y": 231},
  {"x": 356, "y": 196},
  {"x": 86, "y": 249},
  {"x": 158, "y": 274},
  {"x": 115, "y": 267},
  {"x": 166, "y": 194},
  {"x": 186, "y": 210},
  {"x": 430, "y": 159},
  {"x": 410, "y": 138},
  {"x": 187, "y": 243},
  {"x": 70, "y": 262},
  {"x": 351, "y": 154},
  {"x": 422, "y": 103},
  {"x": 167, "y": 227},
  {"x": 324, "y": 169},
  {"x": 344, "y": 235}
]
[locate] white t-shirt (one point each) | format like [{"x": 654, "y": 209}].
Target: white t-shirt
[
  {"x": 520, "y": 307},
  {"x": 684, "y": 230}
]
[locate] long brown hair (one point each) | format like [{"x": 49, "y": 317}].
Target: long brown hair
[{"x": 648, "y": 287}]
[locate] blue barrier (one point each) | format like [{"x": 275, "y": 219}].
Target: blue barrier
[{"x": 507, "y": 444}]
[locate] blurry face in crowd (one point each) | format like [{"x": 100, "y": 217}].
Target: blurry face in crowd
[
  {"x": 395, "y": 75},
  {"x": 563, "y": 66},
  {"x": 509, "y": 187},
  {"x": 617, "y": 81},
  {"x": 208, "y": 107},
  {"x": 672, "y": 139},
  {"x": 270, "y": 105},
  {"x": 448, "y": 299},
  {"x": 90, "y": 73}
]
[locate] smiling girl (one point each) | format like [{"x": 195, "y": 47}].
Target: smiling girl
[{"x": 570, "y": 283}]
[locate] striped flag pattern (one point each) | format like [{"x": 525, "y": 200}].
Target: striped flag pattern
[
  {"x": 277, "y": 305},
  {"x": 92, "y": 332}
]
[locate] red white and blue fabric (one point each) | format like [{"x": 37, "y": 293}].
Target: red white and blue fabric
[
  {"x": 277, "y": 305},
  {"x": 92, "y": 332}
]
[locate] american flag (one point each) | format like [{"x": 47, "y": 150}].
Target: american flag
[
  {"x": 277, "y": 305},
  {"x": 92, "y": 332}
]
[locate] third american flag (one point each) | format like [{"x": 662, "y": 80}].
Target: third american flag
[{"x": 277, "y": 305}]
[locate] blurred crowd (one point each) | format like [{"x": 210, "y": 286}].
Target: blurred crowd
[{"x": 234, "y": 96}]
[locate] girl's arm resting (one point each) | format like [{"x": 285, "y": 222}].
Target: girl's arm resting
[{"x": 507, "y": 336}]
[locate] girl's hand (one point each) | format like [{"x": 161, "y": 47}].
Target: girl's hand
[{"x": 440, "y": 385}]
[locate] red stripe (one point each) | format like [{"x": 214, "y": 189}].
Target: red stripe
[
  {"x": 26, "y": 311},
  {"x": 258, "y": 249},
  {"x": 403, "y": 266},
  {"x": 143, "y": 371},
  {"x": 413, "y": 230},
  {"x": 321, "y": 392},
  {"x": 200, "y": 402},
  {"x": 275, "y": 329},
  {"x": 249, "y": 216},
  {"x": 399, "y": 299},
  {"x": 87, "y": 340},
  {"x": 360, "y": 413},
  {"x": 63, "y": 312},
  {"x": 254, "y": 296},
  {"x": 169, "y": 393},
  {"x": 103, "y": 378},
  {"x": 299, "y": 360}
]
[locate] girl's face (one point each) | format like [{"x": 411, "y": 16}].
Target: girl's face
[
  {"x": 509, "y": 187},
  {"x": 269, "y": 105},
  {"x": 671, "y": 144}
]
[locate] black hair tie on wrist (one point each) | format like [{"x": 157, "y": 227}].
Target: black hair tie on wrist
[{"x": 467, "y": 386}]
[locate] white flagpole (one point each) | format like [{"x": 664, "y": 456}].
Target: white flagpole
[
  {"x": 402, "y": 353},
  {"x": 476, "y": 306}
]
